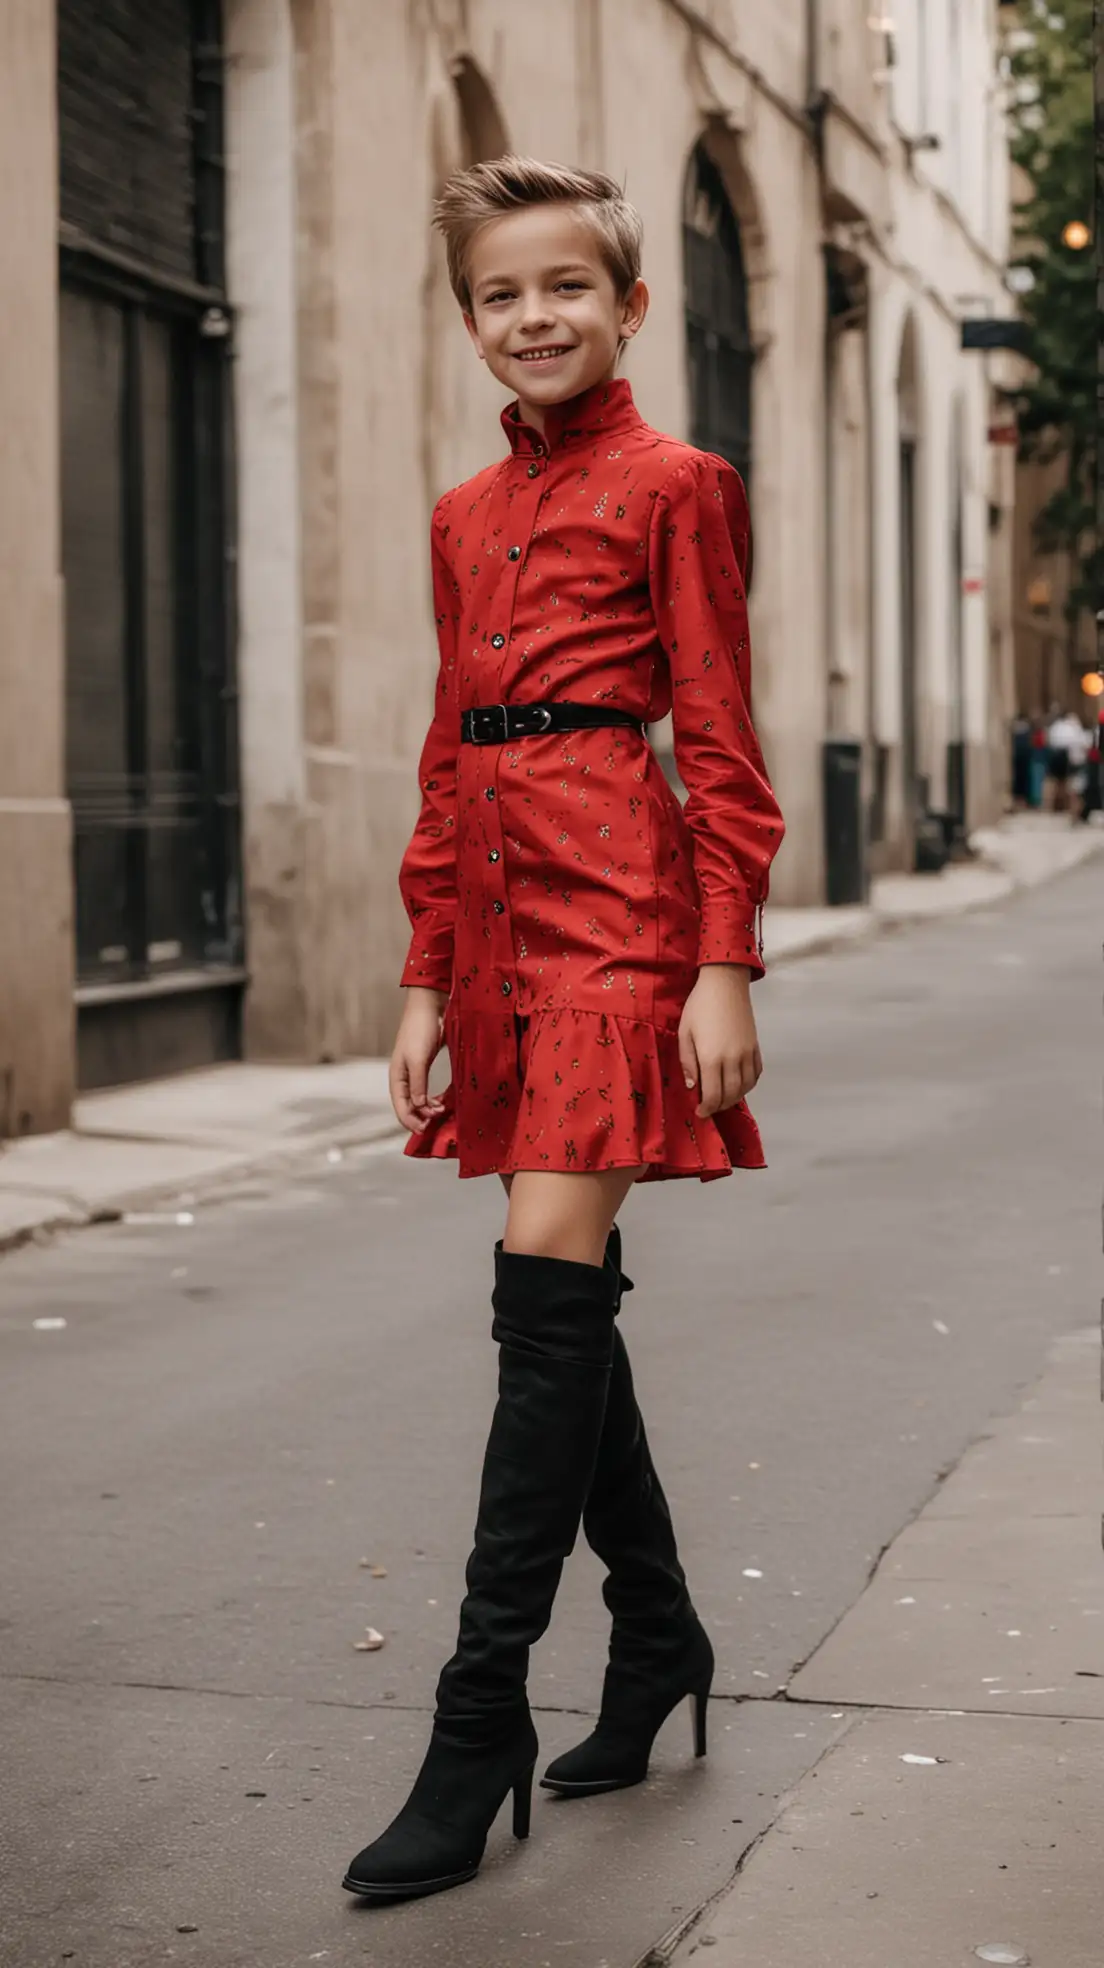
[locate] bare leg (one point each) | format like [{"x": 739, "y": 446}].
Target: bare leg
[{"x": 565, "y": 1216}]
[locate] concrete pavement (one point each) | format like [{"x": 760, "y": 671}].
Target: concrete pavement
[
  {"x": 207, "y": 1425},
  {"x": 959, "y": 1816}
]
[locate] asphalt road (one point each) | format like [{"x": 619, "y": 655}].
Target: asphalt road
[{"x": 239, "y": 1412}]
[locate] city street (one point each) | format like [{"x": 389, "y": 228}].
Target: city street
[{"x": 257, "y": 1435}]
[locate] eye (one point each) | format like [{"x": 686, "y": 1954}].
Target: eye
[
  {"x": 572, "y": 286},
  {"x": 500, "y": 294}
]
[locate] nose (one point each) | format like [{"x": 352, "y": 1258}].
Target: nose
[{"x": 536, "y": 312}]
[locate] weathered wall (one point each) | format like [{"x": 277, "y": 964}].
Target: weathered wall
[
  {"x": 36, "y": 929},
  {"x": 262, "y": 275}
]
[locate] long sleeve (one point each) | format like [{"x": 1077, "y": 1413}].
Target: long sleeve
[
  {"x": 698, "y": 562},
  {"x": 427, "y": 878}
]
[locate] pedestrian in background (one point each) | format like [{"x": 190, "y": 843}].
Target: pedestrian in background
[
  {"x": 1068, "y": 748},
  {"x": 1092, "y": 795},
  {"x": 585, "y": 948},
  {"x": 1037, "y": 765}
]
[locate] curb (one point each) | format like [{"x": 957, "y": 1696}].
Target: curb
[{"x": 203, "y": 1188}]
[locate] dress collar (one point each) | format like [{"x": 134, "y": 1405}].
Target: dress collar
[{"x": 605, "y": 408}]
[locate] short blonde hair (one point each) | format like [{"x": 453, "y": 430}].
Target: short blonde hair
[{"x": 472, "y": 198}]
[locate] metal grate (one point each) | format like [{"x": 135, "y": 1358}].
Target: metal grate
[
  {"x": 146, "y": 542},
  {"x": 126, "y": 120}
]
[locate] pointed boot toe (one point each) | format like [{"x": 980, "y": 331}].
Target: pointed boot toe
[
  {"x": 412, "y": 1858},
  {"x": 603, "y": 1762},
  {"x": 439, "y": 1837},
  {"x": 635, "y": 1705}
]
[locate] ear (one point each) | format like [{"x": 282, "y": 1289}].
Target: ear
[
  {"x": 469, "y": 323},
  {"x": 634, "y": 307}
]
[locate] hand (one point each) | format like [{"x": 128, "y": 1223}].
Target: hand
[
  {"x": 419, "y": 1040},
  {"x": 718, "y": 1043}
]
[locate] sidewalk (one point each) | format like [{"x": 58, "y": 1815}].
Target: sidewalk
[
  {"x": 960, "y": 1815},
  {"x": 1027, "y": 849},
  {"x": 184, "y": 1137},
  {"x": 181, "y": 1138}
]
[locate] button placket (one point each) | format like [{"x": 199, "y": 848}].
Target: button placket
[
  {"x": 502, "y": 945},
  {"x": 523, "y": 514},
  {"x": 524, "y": 517}
]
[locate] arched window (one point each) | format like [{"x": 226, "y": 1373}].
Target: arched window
[
  {"x": 483, "y": 132},
  {"x": 461, "y": 398},
  {"x": 719, "y": 352}
]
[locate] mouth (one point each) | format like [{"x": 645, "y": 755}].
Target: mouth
[{"x": 535, "y": 357}]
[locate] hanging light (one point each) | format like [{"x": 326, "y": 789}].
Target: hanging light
[
  {"x": 1093, "y": 684},
  {"x": 1076, "y": 235}
]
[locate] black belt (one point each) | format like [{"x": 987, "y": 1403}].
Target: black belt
[{"x": 496, "y": 724}]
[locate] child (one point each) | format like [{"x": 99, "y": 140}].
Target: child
[{"x": 584, "y": 946}]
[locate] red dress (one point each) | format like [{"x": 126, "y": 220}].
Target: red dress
[{"x": 556, "y": 887}]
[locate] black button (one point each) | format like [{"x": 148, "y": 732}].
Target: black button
[
  {"x": 507, "y": 988},
  {"x": 489, "y": 793},
  {"x": 534, "y": 471},
  {"x": 498, "y": 642},
  {"x": 493, "y": 855},
  {"x": 514, "y": 553},
  {"x": 500, "y": 908}
]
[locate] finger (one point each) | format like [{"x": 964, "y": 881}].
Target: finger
[
  {"x": 712, "y": 1087},
  {"x": 748, "y": 1069},
  {"x": 418, "y": 1070},
  {"x": 688, "y": 1058},
  {"x": 733, "y": 1084},
  {"x": 399, "y": 1083},
  {"x": 757, "y": 1063}
]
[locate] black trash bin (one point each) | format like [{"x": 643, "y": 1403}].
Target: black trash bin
[
  {"x": 844, "y": 834},
  {"x": 931, "y": 842}
]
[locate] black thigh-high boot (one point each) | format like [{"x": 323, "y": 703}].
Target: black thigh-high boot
[
  {"x": 659, "y": 1651},
  {"x": 553, "y": 1321}
]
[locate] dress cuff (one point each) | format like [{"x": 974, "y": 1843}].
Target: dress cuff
[
  {"x": 429, "y": 959},
  {"x": 732, "y": 933}
]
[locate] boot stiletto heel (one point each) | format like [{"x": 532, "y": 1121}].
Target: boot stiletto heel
[
  {"x": 523, "y": 1802},
  {"x": 699, "y": 1703}
]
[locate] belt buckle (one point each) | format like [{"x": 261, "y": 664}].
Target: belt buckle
[{"x": 488, "y": 725}]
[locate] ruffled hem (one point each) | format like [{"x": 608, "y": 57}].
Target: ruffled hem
[{"x": 576, "y": 1091}]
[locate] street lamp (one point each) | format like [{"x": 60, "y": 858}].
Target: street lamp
[{"x": 1076, "y": 235}]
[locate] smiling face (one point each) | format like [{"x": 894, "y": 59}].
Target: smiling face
[{"x": 546, "y": 316}]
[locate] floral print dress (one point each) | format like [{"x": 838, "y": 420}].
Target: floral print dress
[{"x": 557, "y": 889}]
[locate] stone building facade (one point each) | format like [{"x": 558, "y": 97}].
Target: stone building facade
[
  {"x": 824, "y": 194},
  {"x": 1054, "y": 656}
]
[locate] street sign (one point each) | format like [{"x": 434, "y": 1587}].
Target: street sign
[{"x": 1001, "y": 332}]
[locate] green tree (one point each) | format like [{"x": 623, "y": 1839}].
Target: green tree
[{"x": 1052, "y": 139}]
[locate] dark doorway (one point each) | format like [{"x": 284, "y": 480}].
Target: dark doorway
[
  {"x": 719, "y": 352},
  {"x": 956, "y": 736},
  {"x": 145, "y": 331}
]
